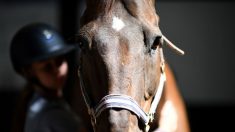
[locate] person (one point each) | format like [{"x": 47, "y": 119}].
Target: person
[{"x": 40, "y": 55}]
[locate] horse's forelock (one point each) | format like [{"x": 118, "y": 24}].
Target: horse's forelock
[{"x": 102, "y": 6}]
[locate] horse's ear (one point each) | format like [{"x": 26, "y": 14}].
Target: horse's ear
[
  {"x": 153, "y": 2},
  {"x": 131, "y": 6}
]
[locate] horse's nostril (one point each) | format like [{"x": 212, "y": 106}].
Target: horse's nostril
[{"x": 156, "y": 42}]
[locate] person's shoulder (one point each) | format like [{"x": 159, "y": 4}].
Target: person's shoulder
[
  {"x": 35, "y": 116},
  {"x": 60, "y": 118},
  {"x": 44, "y": 114}
]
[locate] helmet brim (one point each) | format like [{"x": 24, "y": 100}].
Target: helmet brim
[{"x": 60, "y": 52}]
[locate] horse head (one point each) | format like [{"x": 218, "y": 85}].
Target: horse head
[{"x": 121, "y": 63}]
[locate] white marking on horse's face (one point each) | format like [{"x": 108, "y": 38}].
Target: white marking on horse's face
[{"x": 117, "y": 24}]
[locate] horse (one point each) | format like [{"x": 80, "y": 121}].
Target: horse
[{"x": 121, "y": 64}]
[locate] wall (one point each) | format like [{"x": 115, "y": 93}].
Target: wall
[
  {"x": 12, "y": 17},
  {"x": 205, "y": 31}
]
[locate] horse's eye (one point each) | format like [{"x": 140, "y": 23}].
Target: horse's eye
[
  {"x": 82, "y": 42},
  {"x": 156, "y": 42}
]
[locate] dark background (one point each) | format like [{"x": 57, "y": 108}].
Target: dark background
[{"x": 203, "y": 29}]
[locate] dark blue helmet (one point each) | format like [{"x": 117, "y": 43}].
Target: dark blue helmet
[{"x": 35, "y": 42}]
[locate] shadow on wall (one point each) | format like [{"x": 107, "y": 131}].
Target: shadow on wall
[{"x": 8, "y": 101}]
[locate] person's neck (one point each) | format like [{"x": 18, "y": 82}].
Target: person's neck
[{"x": 49, "y": 93}]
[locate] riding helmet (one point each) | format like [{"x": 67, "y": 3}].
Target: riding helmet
[{"x": 35, "y": 42}]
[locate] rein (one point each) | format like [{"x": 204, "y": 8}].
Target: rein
[{"x": 126, "y": 102}]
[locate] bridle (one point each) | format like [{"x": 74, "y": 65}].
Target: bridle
[{"x": 122, "y": 101}]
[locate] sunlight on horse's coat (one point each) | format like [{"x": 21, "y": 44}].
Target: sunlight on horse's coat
[
  {"x": 118, "y": 24},
  {"x": 169, "y": 118}
]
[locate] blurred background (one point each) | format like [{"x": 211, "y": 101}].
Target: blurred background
[{"x": 203, "y": 29}]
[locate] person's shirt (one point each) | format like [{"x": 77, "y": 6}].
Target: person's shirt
[{"x": 50, "y": 115}]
